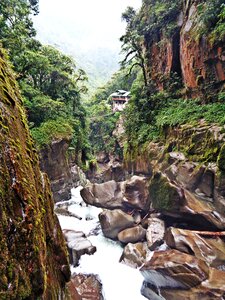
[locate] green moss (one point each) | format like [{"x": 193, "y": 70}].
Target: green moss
[
  {"x": 221, "y": 158},
  {"x": 163, "y": 195},
  {"x": 23, "y": 246}
]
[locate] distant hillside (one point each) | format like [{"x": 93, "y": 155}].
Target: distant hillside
[{"x": 98, "y": 63}]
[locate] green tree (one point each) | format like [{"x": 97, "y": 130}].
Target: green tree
[
  {"x": 16, "y": 26},
  {"x": 133, "y": 43}
]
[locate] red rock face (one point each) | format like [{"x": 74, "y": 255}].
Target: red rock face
[
  {"x": 199, "y": 62},
  {"x": 160, "y": 59}
]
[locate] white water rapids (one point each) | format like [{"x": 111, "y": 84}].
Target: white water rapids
[{"x": 119, "y": 281}]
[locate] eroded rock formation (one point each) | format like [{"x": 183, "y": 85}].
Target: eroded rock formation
[
  {"x": 194, "y": 57},
  {"x": 171, "y": 219},
  {"x": 54, "y": 162}
]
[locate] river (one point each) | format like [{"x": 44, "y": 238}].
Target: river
[{"x": 119, "y": 281}]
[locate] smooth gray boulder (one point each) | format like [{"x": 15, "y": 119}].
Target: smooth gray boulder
[
  {"x": 114, "y": 221},
  {"x": 132, "y": 235}
]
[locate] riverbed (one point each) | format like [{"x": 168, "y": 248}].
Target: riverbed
[{"x": 119, "y": 281}]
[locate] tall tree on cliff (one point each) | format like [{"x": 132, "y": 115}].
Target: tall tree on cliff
[
  {"x": 132, "y": 43},
  {"x": 16, "y": 26},
  {"x": 49, "y": 80}
]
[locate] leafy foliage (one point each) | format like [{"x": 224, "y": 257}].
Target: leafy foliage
[
  {"x": 209, "y": 20},
  {"x": 149, "y": 110},
  {"x": 52, "y": 129},
  {"x": 102, "y": 121},
  {"x": 50, "y": 82},
  {"x": 185, "y": 111}
]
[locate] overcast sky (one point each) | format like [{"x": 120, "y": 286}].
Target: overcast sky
[{"x": 96, "y": 22}]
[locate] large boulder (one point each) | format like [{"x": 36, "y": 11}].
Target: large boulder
[
  {"x": 155, "y": 232},
  {"x": 130, "y": 194},
  {"x": 164, "y": 194},
  {"x": 132, "y": 235},
  {"x": 136, "y": 193},
  {"x": 207, "y": 246},
  {"x": 174, "y": 269},
  {"x": 53, "y": 161},
  {"x": 192, "y": 176},
  {"x": 202, "y": 212},
  {"x": 112, "y": 222},
  {"x": 134, "y": 255},
  {"x": 107, "y": 195},
  {"x": 211, "y": 288},
  {"x": 78, "y": 245},
  {"x": 84, "y": 286},
  {"x": 175, "y": 201}
]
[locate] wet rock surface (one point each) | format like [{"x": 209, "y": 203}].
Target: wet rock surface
[
  {"x": 130, "y": 194},
  {"x": 209, "y": 247},
  {"x": 108, "y": 195},
  {"x": 132, "y": 235},
  {"x": 136, "y": 193},
  {"x": 112, "y": 222},
  {"x": 134, "y": 255},
  {"x": 172, "y": 268},
  {"x": 155, "y": 232},
  {"x": 87, "y": 287},
  {"x": 78, "y": 245},
  {"x": 212, "y": 288}
]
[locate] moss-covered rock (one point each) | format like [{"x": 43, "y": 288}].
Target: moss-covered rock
[
  {"x": 221, "y": 158},
  {"x": 33, "y": 256},
  {"x": 163, "y": 194}
]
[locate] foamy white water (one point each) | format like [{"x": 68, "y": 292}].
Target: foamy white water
[{"x": 120, "y": 282}]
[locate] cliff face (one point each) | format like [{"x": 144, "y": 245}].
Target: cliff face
[
  {"x": 196, "y": 58},
  {"x": 54, "y": 162},
  {"x": 190, "y": 159},
  {"x": 33, "y": 256}
]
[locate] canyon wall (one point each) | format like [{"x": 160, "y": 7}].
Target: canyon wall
[
  {"x": 197, "y": 58},
  {"x": 33, "y": 255},
  {"x": 54, "y": 162}
]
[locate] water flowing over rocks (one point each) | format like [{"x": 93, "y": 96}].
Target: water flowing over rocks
[{"x": 171, "y": 217}]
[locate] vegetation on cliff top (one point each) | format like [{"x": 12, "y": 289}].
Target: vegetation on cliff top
[
  {"x": 50, "y": 82},
  {"x": 162, "y": 100},
  {"x": 102, "y": 121}
]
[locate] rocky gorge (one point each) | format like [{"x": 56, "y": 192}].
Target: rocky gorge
[
  {"x": 169, "y": 213},
  {"x": 150, "y": 211}
]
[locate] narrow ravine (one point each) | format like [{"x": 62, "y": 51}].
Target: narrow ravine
[{"x": 119, "y": 281}]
